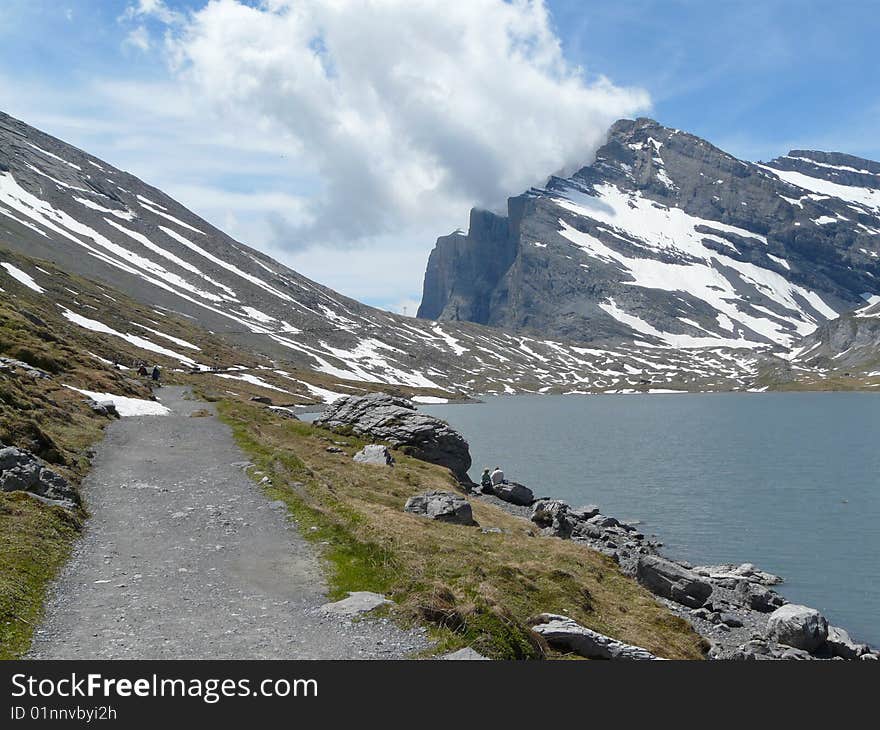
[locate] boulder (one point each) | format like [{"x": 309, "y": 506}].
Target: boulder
[
  {"x": 374, "y": 454},
  {"x": 20, "y": 470},
  {"x": 514, "y": 493},
  {"x": 839, "y": 644},
  {"x": 357, "y": 602},
  {"x": 261, "y": 399},
  {"x": 564, "y": 633},
  {"x": 584, "y": 512},
  {"x": 397, "y": 422},
  {"x": 757, "y": 597},
  {"x": 441, "y": 506},
  {"x": 104, "y": 408},
  {"x": 798, "y": 626},
  {"x": 552, "y": 516},
  {"x": 736, "y": 573},
  {"x": 466, "y": 654},
  {"x": 670, "y": 580}
]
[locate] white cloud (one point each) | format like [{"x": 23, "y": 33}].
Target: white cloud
[
  {"x": 138, "y": 38},
  {"x": 408, "y": 113}
]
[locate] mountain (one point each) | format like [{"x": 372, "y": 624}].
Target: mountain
[
  {"x": 669, "y": 241},
  {"x": 82, "y": 216}
]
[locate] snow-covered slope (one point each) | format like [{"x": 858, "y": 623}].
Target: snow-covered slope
[
  {"x": 59, "y": 204},
  {"x": 668, "y": 240}
]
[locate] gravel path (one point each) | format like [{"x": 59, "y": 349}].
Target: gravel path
[{"x": 183, "y": 557}]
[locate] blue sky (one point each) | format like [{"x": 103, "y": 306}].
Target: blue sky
[{"x": 143, "y": 85}]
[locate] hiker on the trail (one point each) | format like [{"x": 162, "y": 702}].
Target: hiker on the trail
[
  {"x": 497, "y": 477},
  {"x": 486, "y": 480},
  {"x": 155, "y": 373},
  {"x": 142, "y": 371}
]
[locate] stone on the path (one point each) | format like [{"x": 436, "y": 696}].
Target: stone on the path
[
  {"x": 466, "y": 654},
  {"x": 357, "y": 602},
  {"x": 798, "y": 626},
  {"x": 514, "y": 493},
  {"x": 672, "y": 581},
  {"x": 374, "y": 454},
  {"x": 396, "y": 421},
  {"x": 564, "y": 633},
  {"x": 441, "y": 506},
  {"x": 21, "y": 471}
]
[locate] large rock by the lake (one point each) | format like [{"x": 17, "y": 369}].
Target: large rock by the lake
[
  {"x": 757, "y": 597},
  {"x": 441, "y": 506},
  {"x": 673, "y": 581},
  {"x": 839, "y": 644},
  {"x": 798, "y": 626},
  {"x": 20, "y": 470},
  {"x": 564, "y": 633},
  {"x": 514, "y": 493},
  {"x": 397, "y": 422}
]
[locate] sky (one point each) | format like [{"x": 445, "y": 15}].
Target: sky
[{"x": 343, "y": 136}]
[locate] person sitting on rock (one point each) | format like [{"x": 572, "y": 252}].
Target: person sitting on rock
[
  {"x": 497, "y": 477},
  {"x": 486, "y": 481},
  {"x": 142, "y": 370}
]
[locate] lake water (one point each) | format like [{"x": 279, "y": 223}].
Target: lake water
[{"x": 788, "y": 481}]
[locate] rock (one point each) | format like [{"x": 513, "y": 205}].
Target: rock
[
  {"x": 798, "y": 626},
  {"x": 261, "y": 399},
  {"x": 736, "y": 573},
  {"x": 441, "y": 506},
  {"x": 334, "y": 450},
  {"x": 564, "y": 633},
  {"x": 514, "y": 493},
  {"x": 730, "y": 619},
  {"x": 754, "y": 650},
  {"x": 466, "y": 654},
  {"x": 757, "y": 597},
  {"x": 104, "y": 408},
  {"x": 584, "y": 512},
  {"x": 551, "y": 515},
  {"x": 396, "y": 421},
  {"x": 284, "y": 412},
  {"x": 7, "y": 364},
  {"x": 839, "y": 644},
  {"x": 603, "y": 521},
  {"x": 20, "y": 470},
  {"x": 357, "y": 602},
  {"x": 374, "y": 454},
  {"x": 670, "y": 580}
]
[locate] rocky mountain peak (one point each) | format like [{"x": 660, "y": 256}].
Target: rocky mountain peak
[{"x": 666, "y": 238}]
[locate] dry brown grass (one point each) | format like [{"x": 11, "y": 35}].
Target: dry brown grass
[{"x": 478, "y": 588}]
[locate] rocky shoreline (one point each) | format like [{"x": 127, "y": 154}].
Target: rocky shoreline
[{"x": 733, "y": 607}]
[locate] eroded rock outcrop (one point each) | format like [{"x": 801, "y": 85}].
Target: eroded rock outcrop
[
  {"x": 20, "y": 470},
  {"x": 397, "y": 422},
  {"x": 564, "y": 633}
]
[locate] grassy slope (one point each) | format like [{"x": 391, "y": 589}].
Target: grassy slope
[{"x": 477, "y": 589}]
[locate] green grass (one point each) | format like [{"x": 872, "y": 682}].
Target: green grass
[
  {"x": 35, "y": 541},
  {"x": 471, "y": 588}
]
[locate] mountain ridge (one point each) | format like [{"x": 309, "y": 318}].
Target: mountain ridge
[
  {"x": 631, "y": 247},
  {"x": 60, "y": 204}
]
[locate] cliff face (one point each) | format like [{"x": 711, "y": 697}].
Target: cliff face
[{"x": 669, "y": 240}]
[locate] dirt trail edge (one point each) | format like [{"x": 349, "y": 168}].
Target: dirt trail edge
[{"x": 183, "y": 557}]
